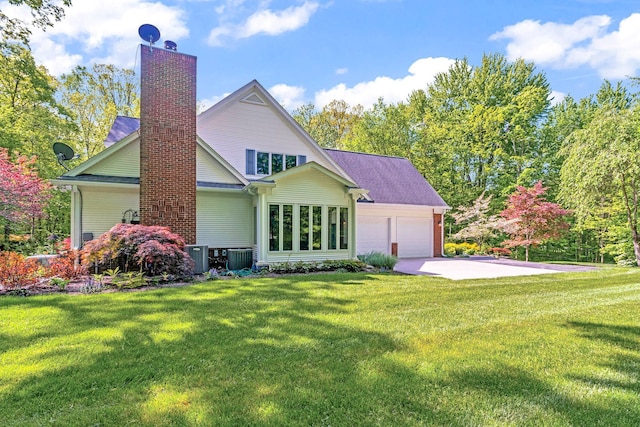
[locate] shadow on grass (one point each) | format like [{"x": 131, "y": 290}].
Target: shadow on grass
[
  {"x": 224, "y": 353},
  {"x": 262, "y": 352}
]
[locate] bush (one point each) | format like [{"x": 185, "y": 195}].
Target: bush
[
  {"x": 464, "y": 248},
  {"x": 66, "y": 265},
  {"x": 16, "y": 271},
  {"x": 379, "y": 260},
  {"x": 153, "y": 250},
  {"x": 500, "y": 251},
  {"x": 314, "y": 266}
]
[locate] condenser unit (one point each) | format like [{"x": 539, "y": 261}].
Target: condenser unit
[
  {"x": 200, "y": 256},
  {"x": 237, "y": 259}
]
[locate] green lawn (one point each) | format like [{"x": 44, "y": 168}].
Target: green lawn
[{"x": 329, "y": 349}]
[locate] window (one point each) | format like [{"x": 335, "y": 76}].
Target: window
[
  {"x": 263, "y": 164},
  {"x": 333, "y": 227},
  {"x": 317, "y": 228},
  {"x": 304, "y": 228},
  {"x": 344, "y": 228},
  {"x": 291, "y": 161},
  {"x": 287, "y": 227},
  {"x": 276, "y": 163},
  {"x": 274, "y": 227}
]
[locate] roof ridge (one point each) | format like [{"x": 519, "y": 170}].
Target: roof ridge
[{"x": 366, "y": 154}]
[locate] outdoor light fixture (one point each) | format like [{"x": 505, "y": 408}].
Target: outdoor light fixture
[{"x": 130, "y": 216}]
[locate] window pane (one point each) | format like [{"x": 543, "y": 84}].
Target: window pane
[
  {"x": 317, "y": 228},
  {"x": 276, "y": 163},
  {"x": 262, "y": 168},
  {"x": 344, "y": 228},
  {"x": 291, "y": 162},
  {"x": 287, "y": 227},
  {"x": 333, "y": 228},
  {"x": 274, "y": 227},
  {"x": 304, "y": 228}
]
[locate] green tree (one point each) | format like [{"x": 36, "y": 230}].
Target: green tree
[
  {"x": 602, "y": 169},
  {"x": 480, "y": 127},
  {"x": 31, "y": 119},
  {"x": 331, "y": 126},
  {"x": 96, "y": 97},
  {"x": 43, "y": 12}
]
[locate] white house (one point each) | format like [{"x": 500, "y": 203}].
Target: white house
[{"x": 244, "y": 174}]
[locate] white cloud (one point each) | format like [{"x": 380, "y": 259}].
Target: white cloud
[
  {"x": 103, "y": 32},
  {"x": 264, "y": 21},
  {"x": 341, "y": 71},
  {"x": 587, "y": 42},
  {"x": 421, "y": 73},
  {"x": 290, "y": 97},
  {"x": 556, "y": 97}
]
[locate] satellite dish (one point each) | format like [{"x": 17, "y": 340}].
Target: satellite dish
[
  {"x": 149, "y": 33},
  {"x": 170, "y": 45},
  {"x": 63, "y": 153}
]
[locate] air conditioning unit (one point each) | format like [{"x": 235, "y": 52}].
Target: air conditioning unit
[
  {"x": 200, "y": 256},
  {"x": 237, "y": 259}
]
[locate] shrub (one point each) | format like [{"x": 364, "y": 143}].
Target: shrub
[
  {"x": 152, "y": 250},
  {"x": 500, "y": 251},
  {"x": 307, "y": 267},
  {"x": 464, "y": 248},
  {"x": 379, "y": 260},
  {"x": 66, "y": 265},
  {"x": 16, "y": 271}
]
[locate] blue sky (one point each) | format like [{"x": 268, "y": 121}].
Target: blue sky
[{"x": 357, "y": 50}]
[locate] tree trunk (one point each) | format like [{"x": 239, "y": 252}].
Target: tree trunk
[
  {"x": 526, "y": 253},
  {"x": 636, "y": 248}
]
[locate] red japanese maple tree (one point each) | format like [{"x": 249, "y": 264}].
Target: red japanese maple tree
[
  {"x": 23, "y": 194},
  {"x": 531, "y": 219}
]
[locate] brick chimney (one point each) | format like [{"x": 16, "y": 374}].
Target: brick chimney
[{"x": 168, "y": 141}]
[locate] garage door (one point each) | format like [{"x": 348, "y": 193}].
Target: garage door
[
  {"x": 415, "y": 237},
  {"x": 373, "y": 234}
]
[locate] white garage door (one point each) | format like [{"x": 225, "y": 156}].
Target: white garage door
[
  {"x": 373, "y": 234},
  {"x": 415, "y": 237}
]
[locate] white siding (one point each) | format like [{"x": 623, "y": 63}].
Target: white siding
[
  {"x": 209, "y": 169},
  {"x": 102, "y": 208},
  {"x": 225, "y": 220},
  {"x": 243, "y": 125},
  {"x": 125, "y": 162},
  {"x": 312, "y": 187}
]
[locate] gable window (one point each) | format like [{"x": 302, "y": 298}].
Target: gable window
[
  {"x": 263, "y": 163},
  {"x": 276, "y": 163}
]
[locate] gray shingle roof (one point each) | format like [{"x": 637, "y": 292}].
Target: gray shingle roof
[
  {"x": 392, "y": 180},
  {"x": 122, "y": 126}
]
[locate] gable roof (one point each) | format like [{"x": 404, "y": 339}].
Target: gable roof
[
  {"x": 392, "y": 180},
  {"x": 122, "y": 126}
]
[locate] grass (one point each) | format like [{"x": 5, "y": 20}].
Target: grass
[{"x": 329, "y": 349}]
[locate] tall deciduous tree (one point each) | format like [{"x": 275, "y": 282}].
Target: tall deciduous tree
[
  {"x": 31, "y": 119},
  {"x": 532, "y": 219},
  {"x": 96, "y": 97},
  {"x": 331, "y": 126},
  {"x": 43, "y": 15},
  {"x": 602, "y": 168},
  {"x": 480, "y": 126}
]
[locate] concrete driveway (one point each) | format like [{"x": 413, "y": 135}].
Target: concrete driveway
[{"x": 479, "y": 267}]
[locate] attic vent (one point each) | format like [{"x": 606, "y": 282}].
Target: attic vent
[{"x": 254, "y": 99}]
